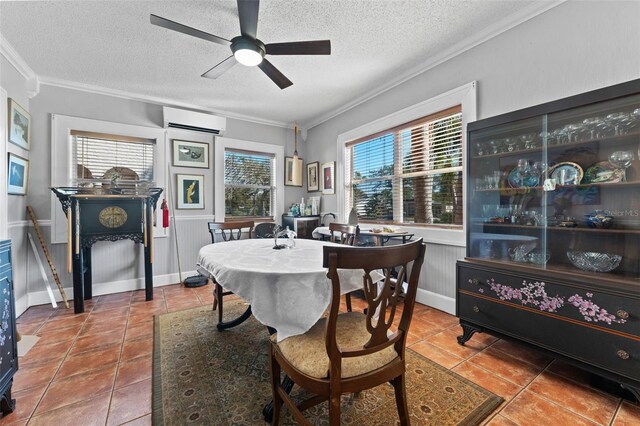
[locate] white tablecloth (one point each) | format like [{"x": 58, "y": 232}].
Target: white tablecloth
[{"x": 288, "y": 289}]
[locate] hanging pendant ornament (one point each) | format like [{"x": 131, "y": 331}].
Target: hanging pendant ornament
[{"x": 165, "y": 213}]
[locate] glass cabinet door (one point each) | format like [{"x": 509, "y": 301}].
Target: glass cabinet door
[
  {"x": 559, "y": 191},
  {"x": 506, "y": 207},
  {"x": 593, "y": 152}
]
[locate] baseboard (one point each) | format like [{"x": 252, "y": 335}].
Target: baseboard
[
  {"x": 438, "y": 301},
  {"x": 22, "y": 304},
  {"x": 42, "y": 298}
]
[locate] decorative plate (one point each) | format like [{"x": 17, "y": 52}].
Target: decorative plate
[
  {"x": 603, "y": 171},
  {"x": 574, "y": 173},
  {"x": 514, "y": 180}
]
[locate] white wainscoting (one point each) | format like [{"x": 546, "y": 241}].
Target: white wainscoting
[{"x": 117, "y": 266}]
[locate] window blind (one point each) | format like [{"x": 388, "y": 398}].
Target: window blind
[
  {"x": 100, "y": 156},
  {"x": 411, "y": 173},
  {"x": 249, "y": 179}
]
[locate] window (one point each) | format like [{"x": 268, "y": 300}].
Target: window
[
  {"x": 249, "y": 184},
  {"x": 100, "y": 157},
  {"x": 410, "y": 173}
]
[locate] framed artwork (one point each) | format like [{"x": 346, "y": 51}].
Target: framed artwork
[
  {"x": 328, "y": 177},
  {"x": 293, "y": 171},
  {"x": 19, "y": 125},
  {"x": 190, "y": 190},
  {"x": 190, "y": 154},
  {"x": 312, "y": 177},
  {"x": 18, "y": 175}
]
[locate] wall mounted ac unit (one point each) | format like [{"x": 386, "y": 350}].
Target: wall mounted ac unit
[{"x": 195, "y": 121}]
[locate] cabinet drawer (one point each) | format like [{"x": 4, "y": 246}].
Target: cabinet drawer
[
  {"x": 603, "y": 349},
  {"x": 577, "y": 304}
]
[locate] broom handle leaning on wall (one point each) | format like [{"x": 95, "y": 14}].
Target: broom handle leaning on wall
[
  {"x": 172, "y": 213},
  {"x": 54, "y": 272}
]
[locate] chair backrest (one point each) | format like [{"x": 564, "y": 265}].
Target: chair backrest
[
  {"x": 381, "y": 299},
  {"x": 229, "y": 231},
  {"x": 264, "y": 230},
  {"x": 348, "y": 233}
]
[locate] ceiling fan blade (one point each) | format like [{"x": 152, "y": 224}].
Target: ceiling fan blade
[
  {"x": 221, "y": 68},
  {"x": 316, "y": 47},
  {"x": 248, "y": 13},
  {"x": 171, "y": 25},
  {"x": 275, "y": 75}
]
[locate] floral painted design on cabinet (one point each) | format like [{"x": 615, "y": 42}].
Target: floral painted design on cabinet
[{"x": 534, "y": 294}]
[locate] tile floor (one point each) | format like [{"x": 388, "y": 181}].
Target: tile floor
[{"x": 95, "y": 368}]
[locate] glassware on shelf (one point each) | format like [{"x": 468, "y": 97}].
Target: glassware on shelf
[
  {"x": 622, "y": 160},
  {"x": 539, "y": 256},
  {"x": 594, "y": 262},
  {"x": 618, "y": 120},
  {"x": 599, "y": 219},
  {"x": 589, "y": 127}
]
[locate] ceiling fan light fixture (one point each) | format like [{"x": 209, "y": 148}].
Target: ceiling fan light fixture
[
  {"x": 248, "y": 57},
  {"x": 247, "y": 51}
]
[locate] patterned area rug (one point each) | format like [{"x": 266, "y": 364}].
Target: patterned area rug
[{"x": 205, "y": 377}]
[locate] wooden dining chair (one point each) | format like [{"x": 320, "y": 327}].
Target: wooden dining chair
[
  {"x": 350, "y": 352},
  {"x": 264, "y": 230},
  {"x": 344, "y": 234},
  {"x": 220, "y": 232}
]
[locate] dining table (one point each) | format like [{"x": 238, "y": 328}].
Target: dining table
[
  {"x": 380, "y": 237},
  {"x": 287, "y": 289}
]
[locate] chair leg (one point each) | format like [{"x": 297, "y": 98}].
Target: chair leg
[
  {"x": 275, "y": 384},
  {"x": 219, "y": 291},
  {"x": 334, "y": 410},
  {"x": 348, "y": 300},
  {"x": 215, "y": 296},
  {"x": 401, "y": 399}
]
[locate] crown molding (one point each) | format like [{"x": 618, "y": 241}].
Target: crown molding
[
  {"x": 67, "y": 84},
  {"x": 513, "y": 20},
  {"x": 33, "y": 83}
]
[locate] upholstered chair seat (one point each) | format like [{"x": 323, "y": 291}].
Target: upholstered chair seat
[{"x": 307, "y": 353}]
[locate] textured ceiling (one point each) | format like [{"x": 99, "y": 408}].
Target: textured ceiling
[{"x": 111, "y": 44}]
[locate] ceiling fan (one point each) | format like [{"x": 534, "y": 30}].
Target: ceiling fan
[{"x": 246, "y": 48}]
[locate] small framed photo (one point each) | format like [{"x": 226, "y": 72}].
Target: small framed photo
[
  {"x": 312, "y": 177},
  {"x": 293, "y": 171},
  {"x": 190, "y": 191},
  {"x": 329, "y": 177},
  {"x": 190, "y": 154},
  {"x": 19, "y": 125},
  {"x": 18, "y": 178}
]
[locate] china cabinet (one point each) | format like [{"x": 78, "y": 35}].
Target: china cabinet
[
  {"x": 8, "y": 333},
  {"x": 553, "y": 230}
]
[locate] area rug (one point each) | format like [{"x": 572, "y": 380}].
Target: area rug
[{"x": 205, "y": 377}]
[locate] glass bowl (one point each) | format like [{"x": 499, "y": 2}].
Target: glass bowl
[
  {"x": 594, "y": 262},
  {"x": 539, "y": 257}
]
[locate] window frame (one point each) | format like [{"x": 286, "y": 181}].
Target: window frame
[
  {"x": 220, "y": 146},
  {"x": 466, "y": 97},
  {"x": 273, "y": 185}
]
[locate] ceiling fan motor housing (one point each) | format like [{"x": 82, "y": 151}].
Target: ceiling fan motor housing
[{"x": 247, "y": 43}]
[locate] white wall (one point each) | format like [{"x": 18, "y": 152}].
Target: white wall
[
  {"x": 570, "y": 49},
  {"x": 16, "y": 87}
]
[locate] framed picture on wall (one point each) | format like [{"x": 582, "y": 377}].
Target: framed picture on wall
[
  {"x": 190, "y": 154},
  {"x": 190, "y": 191},
  {"x": 293, "y": 171},
  {"x": 328, "y": 177},
  {"x": 18, "y": 179},
  {"x": 19, "y": 125},
  {"x": 312, "y": 177}
]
